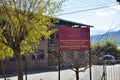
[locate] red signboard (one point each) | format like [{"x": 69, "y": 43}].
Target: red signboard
[{"x": 74, "y": 38}]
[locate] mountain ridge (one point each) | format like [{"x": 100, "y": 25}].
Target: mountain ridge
[{"x": 108, "y": 35}]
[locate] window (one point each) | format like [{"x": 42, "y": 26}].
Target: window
[
  {"x": 34, "y": 57},
  {"x": 23, "y": 57},
  {"x": 42, "y": 38},
  {"x": 39, "y": 54},
  {"x": 12, "y": 58}
]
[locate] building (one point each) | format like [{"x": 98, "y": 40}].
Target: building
[{"x": 43, "y": 57}]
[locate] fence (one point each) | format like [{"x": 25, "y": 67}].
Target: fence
[{"x": 110, "y": 70}]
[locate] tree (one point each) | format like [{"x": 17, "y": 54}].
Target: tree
[
  {"x": 22, "y": 24},
  {"x": 118, "y": 1},
  {"x": 78, "y": 60},
  {"x": 104, "y": 47}
]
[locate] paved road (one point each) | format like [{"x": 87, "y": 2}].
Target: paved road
[
  {"x": 113, "y": 73},
  {"x": 52, "y": 75}
]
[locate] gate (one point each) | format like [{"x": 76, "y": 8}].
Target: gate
[{"x": 111, "y": 70}]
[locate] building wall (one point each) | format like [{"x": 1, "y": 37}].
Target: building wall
[{"x": 34, "y": 61}]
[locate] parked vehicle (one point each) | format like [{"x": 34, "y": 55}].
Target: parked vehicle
[{"x": 107, "y": 59}]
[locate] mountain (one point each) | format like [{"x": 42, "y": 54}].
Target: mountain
[{"x": 108, "y": 35}]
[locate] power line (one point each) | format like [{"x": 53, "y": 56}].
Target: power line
[
  {"x": 87, "y": 10},
  {"x": 86, "y": 6},
  {"x": 107, "y": 32},
  {"x": 92, "y": 3}
]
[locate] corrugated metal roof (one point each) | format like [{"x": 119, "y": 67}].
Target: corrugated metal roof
[{"x": 71, "y": 23}]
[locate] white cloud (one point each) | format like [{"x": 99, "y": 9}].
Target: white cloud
[
  {"x": 101, "y": 13},
  {"x": 113, "y": 12},
  {"x": 108, "y": 13},
  {"x": 116, "y": 7}
]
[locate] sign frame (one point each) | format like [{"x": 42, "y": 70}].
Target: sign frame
[{"x": 72, "y": 38}]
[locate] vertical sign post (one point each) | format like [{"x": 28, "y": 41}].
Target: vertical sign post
[
  {"x": 59, "y": 65},
  {"x": 25, "y": 68},
  {"x": 90, "y": 64}
]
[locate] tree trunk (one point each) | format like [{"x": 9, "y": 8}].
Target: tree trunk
[
  {"x": 18, "y": 63},
  {"x": 77, "y": 73}
]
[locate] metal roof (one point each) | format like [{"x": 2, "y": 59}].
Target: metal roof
[{"x": 71, "y": 23}]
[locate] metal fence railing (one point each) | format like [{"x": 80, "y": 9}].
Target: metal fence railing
[{"x": 111, "y": 70}]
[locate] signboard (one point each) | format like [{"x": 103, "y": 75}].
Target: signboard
[{"x": 74, "y": 38}]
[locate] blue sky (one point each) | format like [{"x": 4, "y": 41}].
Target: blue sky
[{"x": 105, "y": 19}]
